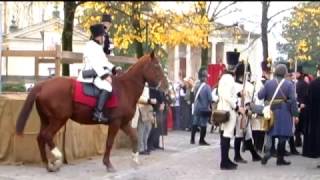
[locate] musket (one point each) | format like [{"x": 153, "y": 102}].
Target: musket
[{"x": 243, "y": 117}]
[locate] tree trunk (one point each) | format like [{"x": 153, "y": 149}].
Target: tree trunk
[
  {"x": 139, "y": 48},
  {"x": 204, "y": 50},
  {"x": 264, "y": 29},
  {"x": 204, "y": 57},
  {"x": 69, "y": 11},
  {"x": 136, "y": 25}
]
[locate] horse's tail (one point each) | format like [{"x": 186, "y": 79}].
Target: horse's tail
[{"x": 26, "y": 109}]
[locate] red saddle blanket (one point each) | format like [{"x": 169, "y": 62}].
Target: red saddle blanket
[{"x": 80, "y": 97}]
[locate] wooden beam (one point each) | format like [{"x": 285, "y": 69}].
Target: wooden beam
[
  {"x": 67, "y": 55},
  {"x": 26, "y": 53},
  {"x": 71, "y": 57},
  {"x": 36, "y": 68},
  {"x": 122, "y": 59},
  {"x": 58, "y": 61},
  {"x": 46, "y": 60}
]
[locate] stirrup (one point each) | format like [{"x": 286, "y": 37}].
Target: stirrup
[{"x": 98, "y": 116}]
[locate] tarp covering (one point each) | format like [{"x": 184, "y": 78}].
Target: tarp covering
[{"x": 80, "y": 141}]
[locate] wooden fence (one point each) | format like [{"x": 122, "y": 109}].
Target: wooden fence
[{"x": 58, "y": 57}]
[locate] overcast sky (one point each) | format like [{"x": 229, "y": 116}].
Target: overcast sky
[{"x": 249, "y": 15}]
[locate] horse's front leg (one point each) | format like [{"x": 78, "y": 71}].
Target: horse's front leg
[
  {"x": 112, "y": 132},
  {"x": 132, "y": 133}
]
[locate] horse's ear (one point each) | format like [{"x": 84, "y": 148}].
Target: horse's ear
[{"x": 152, "y": 54}]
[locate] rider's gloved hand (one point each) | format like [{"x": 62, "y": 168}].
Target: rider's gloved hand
[{"x": 116, "y": 69}]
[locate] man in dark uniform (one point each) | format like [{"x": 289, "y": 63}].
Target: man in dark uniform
[
  {"x": 293, "y": 149},
  {"x": 108, "y": 45},
  {"x": 202, "y": 107}
]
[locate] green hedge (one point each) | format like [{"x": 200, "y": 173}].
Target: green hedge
[{"x": 13, "y": 87}]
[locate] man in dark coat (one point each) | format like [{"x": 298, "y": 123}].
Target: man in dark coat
[
  {"x": 311, "y": 143},
  {"x": 302, "y": 90},
  {"x": 156, "y": 131}
]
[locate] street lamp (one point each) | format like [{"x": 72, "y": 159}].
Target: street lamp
[
  {"x": 42, "y": 37},
  {"x": 146, "y": 17}
]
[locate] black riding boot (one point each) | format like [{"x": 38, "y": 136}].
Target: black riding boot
[
  {"x": 293, "y": 147},
  {"x": 255, "y": 155},
  {"x": 203, "y": 132},
  {"x": 237, "y": 155},
  {"x": 273, "y": 147},
  {"x": 226, "y": 163},
  {"x": 98, "y": 111},
  {"x": 280, "y": 155},
  {"x": 298, "y": 141},
  {"x": 193, "y": 133}
]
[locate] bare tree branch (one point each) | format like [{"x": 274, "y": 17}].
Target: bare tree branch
[
  {"x": 221, "y": 10},
  {"x": 207, "y": 11},
  {"x": 272, "y": 26},
  {"x": 276, "y": 14},
  {"x": 229, "y": 12},
  {"x": 251, "y": 43},
  {"x": 215, "y": 10}
]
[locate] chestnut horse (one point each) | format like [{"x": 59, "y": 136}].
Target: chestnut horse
[{"x": 55, "y": 105}]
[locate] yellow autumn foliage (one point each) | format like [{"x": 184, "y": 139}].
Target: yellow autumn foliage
[
  {"x": 301, "y": 31},
  {"x": 164, "y": 28}
]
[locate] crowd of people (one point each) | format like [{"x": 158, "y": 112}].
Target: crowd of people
[
  {"x": 294, "y": 104},
  {"x": 188, "y": 105}
]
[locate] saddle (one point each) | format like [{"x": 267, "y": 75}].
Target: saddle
[{"x": 87, "y": 93}]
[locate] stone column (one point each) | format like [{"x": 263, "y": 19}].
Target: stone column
[
  {"x": 188, "y": 62},
  {"x": 195, "y": 61},
  {"x": 213, "y": 53},
  {"x": 176, "y": 63},
  {"x": 171, "y": 55}
]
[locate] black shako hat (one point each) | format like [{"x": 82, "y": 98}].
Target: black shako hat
[
  {"x": 233, "y": 57},
  {"x": 97, "y": 30}
]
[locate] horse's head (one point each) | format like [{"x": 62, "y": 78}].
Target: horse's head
[{"x": 153, "y": 73}]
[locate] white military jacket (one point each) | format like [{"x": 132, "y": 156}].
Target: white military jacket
[
  {"x": 94, "y": 58},
  {"x": 228, "y": 102}
]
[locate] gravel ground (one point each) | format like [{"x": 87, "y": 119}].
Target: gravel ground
[{"x": 179, "y": 160}]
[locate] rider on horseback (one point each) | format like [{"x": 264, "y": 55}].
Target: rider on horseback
[{"x": 96, "y": 61}]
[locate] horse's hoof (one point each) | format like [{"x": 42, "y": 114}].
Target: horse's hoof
[
  {"x": 111, "y": 169},
  {"x": 54, "y": 166},
  {"x": 136, "y": 162},
  {"x": 135, "y": 158}
]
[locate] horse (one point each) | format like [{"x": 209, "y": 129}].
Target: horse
[{"x": 52, "y": 95}]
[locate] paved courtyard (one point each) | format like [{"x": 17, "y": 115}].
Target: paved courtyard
[{"x": 179, "y": 160}]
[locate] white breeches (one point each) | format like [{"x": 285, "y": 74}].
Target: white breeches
[
  {"x": 228, "y": 127},
  {"x": 102, "y": 84},
  {"x": 239, "y": 131}
]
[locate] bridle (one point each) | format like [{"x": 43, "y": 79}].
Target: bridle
[{"x": 156, "y": 87}]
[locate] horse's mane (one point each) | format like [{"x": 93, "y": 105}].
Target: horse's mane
[{"x": 140, "y": 61}]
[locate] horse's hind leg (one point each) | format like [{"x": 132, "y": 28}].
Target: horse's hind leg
[
  {"x": 48, "y": 134},
  {"x": 41, "y": 141},
  {"x": 134, "y": 141},
  {"x": 42, "y": 145},
  {"x": 112, "y": 132}
]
